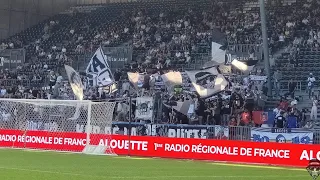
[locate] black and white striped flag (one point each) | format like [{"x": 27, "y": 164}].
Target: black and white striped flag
[{"x": 98, "y": 70}]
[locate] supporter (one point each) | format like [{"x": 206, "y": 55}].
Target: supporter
[
  {"x": 233, "y": 122},
  {"x": 311, "y": 82},
  {"x": 52, "y": 79},
  {"x": 277, "y": 78},
  {"x": 308, "y": 125},
  {"x": 169, "y": 38},
  {"x": 280, "y": 121},
  {"x": 292, "y": 87},
  {"x": 236, "y": 101},
  {"x": 314, "y": 109},
  {"x": 292, "y": 121},
  {"x": 245, "y": 118},
  {"x": 283, "y": 104}
]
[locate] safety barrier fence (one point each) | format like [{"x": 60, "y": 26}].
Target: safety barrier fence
[
  {"x": 239, "y": 133},
  {"x": 242, "y": 133}
]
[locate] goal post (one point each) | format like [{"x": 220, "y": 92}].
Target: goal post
[{"x": 59, "y": 125}]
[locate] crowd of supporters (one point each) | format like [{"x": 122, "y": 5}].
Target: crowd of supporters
[{"x": 162, "y": 38}]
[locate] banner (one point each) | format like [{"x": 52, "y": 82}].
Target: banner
[
  {"x": 137, "y": 129},
  {"x": 294, "y": 136},
  {"x": 11, "y": 58},
  {"x": 243, "y": 52},
  {"x": 207, "y": 82},
  {"x": 144, "y": 108},
  {"x": 259, "y": 117},
  {"x": 118, "y": 57},
  {"x": 161, "y": 130},
  {"x": 257, "y": 78},
  {"x": 180, "y": 148},
  {"x": 98, "y": 70}
]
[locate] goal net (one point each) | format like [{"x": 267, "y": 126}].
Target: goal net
[{"x": 60, "y": 125}]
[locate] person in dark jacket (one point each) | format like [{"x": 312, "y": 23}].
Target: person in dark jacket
[
  {"x": 292, "y": 121},
  {"x": 292, "y": 88},
  {"x": 280, "y": 121}
]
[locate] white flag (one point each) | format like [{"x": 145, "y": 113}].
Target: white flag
[
  {"x": 217, "y": 55},
  {"x": 137, "y": 79},
  {"x": 75, "y": 82},
  {"x": 99, "y": 69},
  {"x": 207, "y": 82},
  {"x": 172, "y": 79}
]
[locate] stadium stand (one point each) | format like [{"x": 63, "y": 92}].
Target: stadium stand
[{"x": 174, "y": 34}]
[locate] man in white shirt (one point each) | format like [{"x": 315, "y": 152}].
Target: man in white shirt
[{"x": 311, "y": 80}]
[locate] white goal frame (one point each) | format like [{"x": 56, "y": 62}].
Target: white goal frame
[{"x": 19, "y": 112}]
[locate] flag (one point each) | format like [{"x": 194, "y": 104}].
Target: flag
[
  {"x": 225, "y": 69},
  {"x": 98, "y": 70},
  {"x": 207, "y": 82},
  {"x": 218, "y": 54},
  {"x": 172, "y": 79},
  {"x": 139, "y": 80},
  {"x": 134, "y": 79},
  {"x": 244, "y": 66},
  {"x": 110, "y": 89},
  {"x": 75, "y": 82}
]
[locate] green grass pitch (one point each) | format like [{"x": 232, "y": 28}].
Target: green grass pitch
[{"x": 35, "y": 165}]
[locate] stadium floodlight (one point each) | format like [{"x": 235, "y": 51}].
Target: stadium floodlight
[{"x": 41, "y": 119}]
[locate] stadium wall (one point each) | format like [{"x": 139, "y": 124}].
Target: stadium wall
[
  {"x": 116, "y": 1},
  {"x": 107, "y": 1},
  {"x": 17, "y": 15}
]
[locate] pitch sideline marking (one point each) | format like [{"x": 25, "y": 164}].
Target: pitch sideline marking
[
  {"x": 258, "y": 166},
  {"x": 151, "y": 158},
  {"x": 142, "y": 177},
  {"x": 225, "y": 164}
]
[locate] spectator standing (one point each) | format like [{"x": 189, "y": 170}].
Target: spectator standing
[
  {"x": 245, "y": 118},
  {"x": 125, "y": 87},
  {"x": 52, "y": 80},
  {"x": 277, "y": 78},
  {"x": 117, "y": 75},
  {"x": 311, "y": 80},
  {"x": 292, "y": 121},
  {"x": 314, "y": 109},
  {"x": 292, "y": 87}
]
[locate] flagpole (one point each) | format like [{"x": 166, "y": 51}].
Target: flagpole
[{"x": 130, "y": 125}]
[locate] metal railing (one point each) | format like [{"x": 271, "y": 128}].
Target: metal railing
[
  {"x": 12, "y": 58},
  {"x": 14, "y": 82},
  {"x": 284, "y": 85}
]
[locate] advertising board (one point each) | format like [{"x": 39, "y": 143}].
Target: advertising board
[
  {"x": 181, "y": 148},
  {"x": 294, "y": 136}
]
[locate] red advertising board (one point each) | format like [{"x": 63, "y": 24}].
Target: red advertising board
[{"x": 182, "y": 148}]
